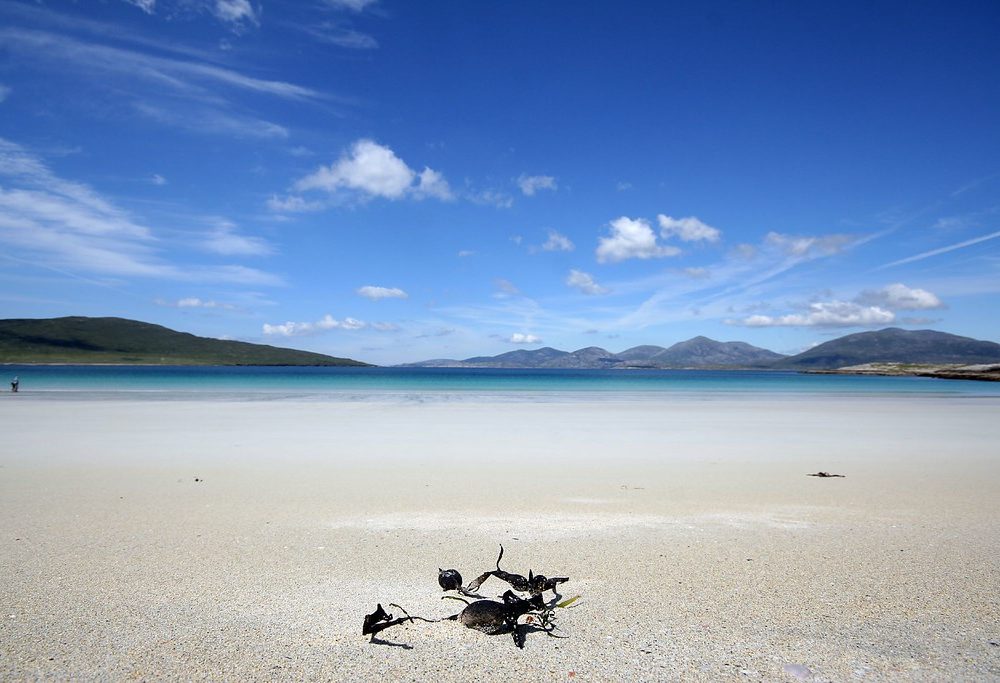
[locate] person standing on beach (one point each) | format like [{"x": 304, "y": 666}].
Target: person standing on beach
[{"x": 14, "y": 384}]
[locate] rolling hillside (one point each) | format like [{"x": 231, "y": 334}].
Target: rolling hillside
[{"x": 117, "y": 340}]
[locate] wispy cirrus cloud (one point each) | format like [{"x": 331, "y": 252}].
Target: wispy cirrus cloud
[
  {"x": 748, "y": 269},
  {"x": 182, "y": 90},
  {"x": 183, "y": 76},
  {"x": 333, "y": 33},
  {"x": 238, "y": 15},
  {"x": 65, "y": 225},
  {"x": 941, "y": 250},
  {"x": 210, "y": 120},
  {"x": 224, "y": 238}
]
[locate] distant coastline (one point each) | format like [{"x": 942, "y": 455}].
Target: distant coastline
[{"x": 980, "y": 372}]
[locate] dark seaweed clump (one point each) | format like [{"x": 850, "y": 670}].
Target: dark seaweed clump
[{"x": 486, "y": 615}]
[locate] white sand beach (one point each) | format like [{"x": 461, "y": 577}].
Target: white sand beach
[{"x": 700, "y": 548}]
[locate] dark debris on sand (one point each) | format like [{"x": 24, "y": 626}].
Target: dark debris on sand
[{"x": 485, "y": 615}]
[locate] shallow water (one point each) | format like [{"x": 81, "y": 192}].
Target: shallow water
[{"x": 78, "y": 382}]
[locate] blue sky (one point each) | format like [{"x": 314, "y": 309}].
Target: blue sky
[{"x": 394, "y": 181}]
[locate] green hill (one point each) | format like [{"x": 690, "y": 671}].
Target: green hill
[{"x": 82, "y": 340}]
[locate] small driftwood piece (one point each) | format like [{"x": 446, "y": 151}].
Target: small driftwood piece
[{"x": 825, "y": 475}]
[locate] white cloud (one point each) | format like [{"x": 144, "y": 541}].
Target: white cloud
[
  {"x": 688, "y": 229},
  {"x": 898, "y": 297},
  {"x": 327, "y": 322},
  {"x": 223, "y": 239},
  {"x": 4, "y": 92},
  {"x": 237, "y": 13},
  {"x": 530, "y": 184},
  {"x": 430, "y": 183},
  {"x": 376, "y": 293},
  {"x": 374, "y": 170},
  {"x": 520, "y": 338},
  {"x": 157, "y": 179},
  {"x": 825, "y": 314},
  {"x": 585, "y": 283},
  {"x": 807, "y": 246},
  {"x": 557, "y": 242},
  {"x": 353, "y": 324},
  {"x": 631, "y": 238},
  {"x": 292, "y": 204},
  {"x": 385, "y": 327},
  {"x": 623, "y": 186},
  {"x": 466, "y": 252}
]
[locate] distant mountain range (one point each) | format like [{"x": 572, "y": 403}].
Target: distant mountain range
[
  {"x": 81, "y": 340},
  {"x": 117, "y": 340},
  {"x": 888, "y": 345}
]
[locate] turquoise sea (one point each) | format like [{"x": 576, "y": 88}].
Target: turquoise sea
[{"x": 319, "y": 383}]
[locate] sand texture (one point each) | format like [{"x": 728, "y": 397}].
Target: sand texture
[{"x": 700, "y": 548}]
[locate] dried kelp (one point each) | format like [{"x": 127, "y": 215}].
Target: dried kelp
[
  {"x": 825, "y": 475},
  {"x": 449, "y": 579},
  {"x": 535, "y": 584},
  {"x": 487, "y": 616},
  {"x": 380, "y": 620},
  {"x": 492, "y": 617}
]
